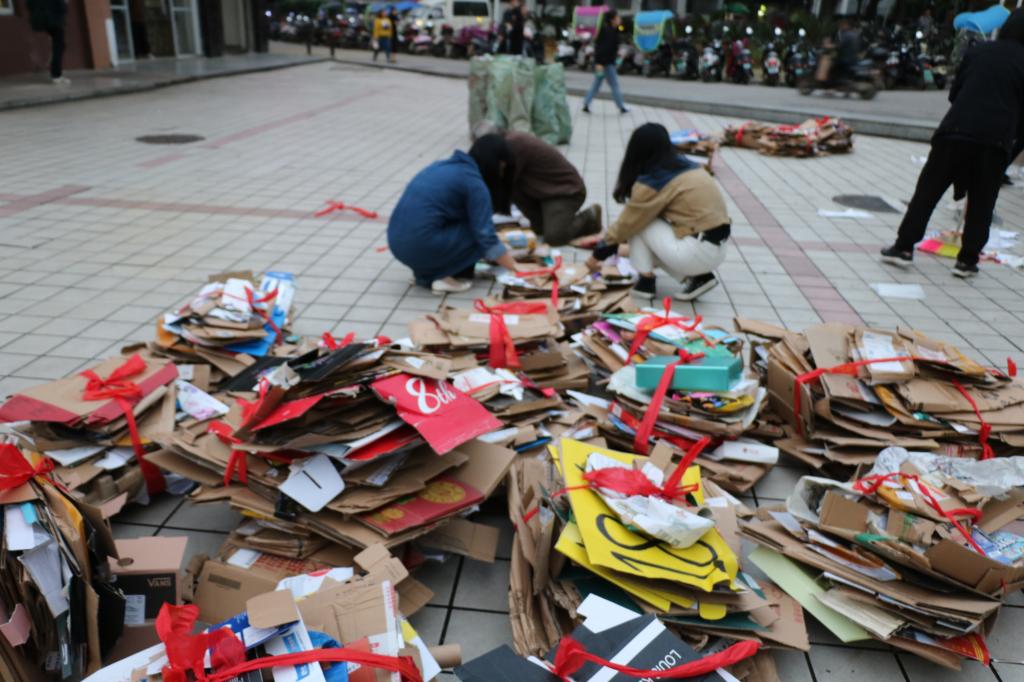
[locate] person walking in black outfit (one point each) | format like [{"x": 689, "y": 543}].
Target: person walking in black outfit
[
  {"x": 983, "y": 131},
  {"x": 606, "y": 55},
  {"x": 48, "y": 16},
  {"x": 514, "y": 23}
]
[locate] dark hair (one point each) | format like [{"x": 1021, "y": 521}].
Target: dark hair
[
  {"x": 609, "y": 15},
  {"x": 1013, "y": 27},
  {"x": 648, "y": 150},
  {"x": 489, "y": 152}
]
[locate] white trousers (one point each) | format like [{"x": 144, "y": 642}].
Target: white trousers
[{"x": 686, "y": 257}]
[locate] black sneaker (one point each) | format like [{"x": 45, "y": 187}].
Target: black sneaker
[
  {"x": 1007, "y": 182},
  {"x": 586, "y": 110},
  {"x": 644, "y": 288},
  {"x": 694, "y": 287},
  {"x": 623, "y": 110},
  {"x": 963, "y": 270},
  {"x": 894, "y": 256}
]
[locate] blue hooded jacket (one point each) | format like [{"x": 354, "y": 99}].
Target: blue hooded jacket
[{"x": 443, "y": 223}]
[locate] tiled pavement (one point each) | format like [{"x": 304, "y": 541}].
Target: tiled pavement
[{"x": 99, "y": 234}]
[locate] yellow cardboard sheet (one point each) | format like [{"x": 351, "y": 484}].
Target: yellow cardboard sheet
[
  {"x": 570, "y": 543},
  {"x": 609, "y": 543}
]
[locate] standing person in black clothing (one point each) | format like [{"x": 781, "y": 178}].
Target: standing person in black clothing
[
  {"x": 48, "y": 16},
  {"x": 513, "y": 23},
  {"x": 983, "y": 131},
  {"x": 606, "y": 54}
]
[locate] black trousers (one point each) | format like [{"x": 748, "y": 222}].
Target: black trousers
[
  {"x": 976, "y": 169},
  {"x": 57, "y": 51}
]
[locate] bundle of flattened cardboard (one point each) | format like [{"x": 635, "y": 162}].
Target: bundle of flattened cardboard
[
  {"x": 88, "y": 436},
  {"x": 918, "y": 553},
  {"x": 674, "y": 556},
  {"x": 232, "y": 320},
  {"x": 54, "y": 582},
  {"x": 275, "y": 608},
  {"x": 714, "y": 393},
  {"x": 358, "y": 445},
  {"x": 910, "y": 391},
  {"x": 813, "y": 137}
]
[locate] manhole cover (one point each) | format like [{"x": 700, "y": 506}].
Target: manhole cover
[
  {"x": 169, "y": 139},
  {"x": 865, "y": 202}
]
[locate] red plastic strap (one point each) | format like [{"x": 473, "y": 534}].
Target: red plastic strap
[
  {"x": 16, "y": 470},
  {"x": 267, "y": 317},
  {"x": 985, "y": 430},
  {"x": 553, "y": 271},
  {"x": 642, "y": 440},
  {"x": 119, "y": 387},
  {"x": 849, "y": 368},
  {"x": 870, "y": 484},
  {"x": 571, "y": 656},
  {"x": 186, "y": 652},
  {"x": 652, "y": 322},
  {"x": 502, "y": 349},
  {"x": 333, "y": 206},
  {"x": 334, "y": 344},
  {"x": 1011, "y": 367},
  {"x": 238, "y": 459}
]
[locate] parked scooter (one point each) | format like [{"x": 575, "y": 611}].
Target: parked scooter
[
  {"x": 652, "y": 36},
  {"x": 741, "y": 67},
  {"x": 711, "y": 62},
  {"x": 686, "y": 56},
  {"x": 796, "y": 59},
  {"x": 771, "y": 65}
]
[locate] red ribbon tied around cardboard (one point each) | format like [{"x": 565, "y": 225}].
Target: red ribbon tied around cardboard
[
  {"x": 571, "y": 656},
  {"x": 186, "y": 652},
  {"x": 119, "y": 387},
  {"x": 553, "y": 271},
  {"x": 503, "y": 349},
  {"x": 16, "y": 470},
  {"x": 237, "y": 460},
  {"x": 642, "y": 440},
  {"x": 652, "y": 322},
  {"x": 870, "y": 484}
]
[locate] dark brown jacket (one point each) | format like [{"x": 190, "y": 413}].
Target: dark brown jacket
[{"x": 542, "y": 172}]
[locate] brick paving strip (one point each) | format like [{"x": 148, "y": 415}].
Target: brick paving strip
[{"x": 826, "y": 300}]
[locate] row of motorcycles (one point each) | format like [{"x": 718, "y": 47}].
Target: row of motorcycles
[{"x": 894, "y": 57}]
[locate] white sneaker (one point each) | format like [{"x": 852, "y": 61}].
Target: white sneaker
[
  {"x": 62, "y": 80},
  {"x": 450, "y": 285}
]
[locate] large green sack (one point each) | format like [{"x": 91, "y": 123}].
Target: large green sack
[
  {"x": 551, "y": 120},
  {"x": 510, "y": 93},
  {"x": 479, "y": 82}
]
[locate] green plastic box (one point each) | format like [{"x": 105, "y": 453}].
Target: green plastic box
[{"x": 715, "y": 373}]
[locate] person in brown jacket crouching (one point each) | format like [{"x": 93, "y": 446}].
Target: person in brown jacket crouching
[
  {"x": 547, "y": 188},
  {"x": 674, "y": 216}
]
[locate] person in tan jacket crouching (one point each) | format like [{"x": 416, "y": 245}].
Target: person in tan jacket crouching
[{"x": 674, "y": 216}]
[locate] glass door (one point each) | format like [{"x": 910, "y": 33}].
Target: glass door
[
  {"x": 185, "y": 26},
  {"x": 121, "y": 16}
]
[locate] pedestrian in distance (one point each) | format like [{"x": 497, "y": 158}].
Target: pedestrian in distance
[
  {"x": 50, "y": 16},
  {"x": 395, "y": 44},
  {"x": 982, "y": 132},
  {"x": 443, "y": 222},
  {"x": 547, "y": 188},
  {"x": 383, "y": 34},
  {"x": 606, "y": 54},
  {"x": 513, "y": 24},
  {"x": 674, "y": 216}
]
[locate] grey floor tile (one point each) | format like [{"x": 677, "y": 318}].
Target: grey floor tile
[
  {"x": 440, "y": 578},
  {"x": 155, "y": 513},
  {"x": 836, "y": 664},
  {"x": 1004, "y": 642},
  {"x": 483, "y": 586},
  {"x": 429, "y": 623},
  {"x": 1009, "y": 672},
  {"x": 212, "y": 516},
  {"x": 792, "y": 666},
  {"x": 920, "y": 670},
  {"x": 477, "y": 632},
  {"x": 123, "y": 530}
]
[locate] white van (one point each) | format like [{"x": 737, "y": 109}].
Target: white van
[{"x": 455, "y": 13}]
